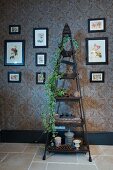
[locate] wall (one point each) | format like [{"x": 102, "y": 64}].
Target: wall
[{"x": 22, "y": 103}]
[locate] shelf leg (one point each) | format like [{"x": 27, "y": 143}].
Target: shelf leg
[
  {"x": 44, "y": 156},
  {"x": 90, "y": 159}
]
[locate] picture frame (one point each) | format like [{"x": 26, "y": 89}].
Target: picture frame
[
  {"x": 40, "y": 77},
  {"x": 40, "y": 59},
  {"x": 14, "y": 77},
  {"x": 40, "y": 37},
  {"x": 14, "y": 52},
  {"x": 97, "y": 51},
  {"x": 97, "y": 77},
  {"x": 14, "y": 29},
  {"x": 96, "y": 25}
]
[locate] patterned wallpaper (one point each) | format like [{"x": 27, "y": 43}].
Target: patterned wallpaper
[{"x": 22, "y": 103}]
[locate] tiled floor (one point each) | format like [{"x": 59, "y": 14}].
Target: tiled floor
[{"x": 15, "y": 156}]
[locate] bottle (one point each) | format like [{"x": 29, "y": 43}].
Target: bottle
[{"x": 69, "y": 137}]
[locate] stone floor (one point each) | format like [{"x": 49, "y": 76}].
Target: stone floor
[{"x": 16, "y": 156}]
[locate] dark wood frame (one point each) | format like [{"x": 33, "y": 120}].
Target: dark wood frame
[
  {"x": 35, "y": 32},
  {"x": 97, "y": 57},
  {"x": 8, "y": 56},
  {"x": 103, "y": 29},
  {"x": 14, "y": 81},
  {"x": 97, "y": 72},
  {"x": 14, "y": 26},
  {"x": 44, "y": 59},
  {"x": 44, "y": 78}
]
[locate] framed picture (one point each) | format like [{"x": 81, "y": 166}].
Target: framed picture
[
  {"x": 14, "y": 52},
  {"x": 96, "y": 25},
  {"x": 41, "y": 59},
  {"x": 14, "y": 29},
  {"x": 40, "y": 77},
  {"x": 40, "y": 37},
  {"x": 14, "y": 77},
  {"x": 97, "y": 50},
  {"x": 97, "y": 77}
]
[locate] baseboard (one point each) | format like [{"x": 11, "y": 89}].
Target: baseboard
[{"x": 38, "y": 136}]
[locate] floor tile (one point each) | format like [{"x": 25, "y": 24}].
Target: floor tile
[
  {"x": 96, "y": 150},
  {"x": 107, "y": 150},
  {"x": 2, "y": 156},
  {"x": 63, "y": 158},
  {"x": 106, "y": 146},
  {"x": 30, "y": 149},
  {"x": 104, "y": 162},
  {"x": 1, "y": 144},
  {"x": 38, "y": 166},
  {"x": 16, "y": 161},
  {"x": 33, "y": 144},
  {"x": 84, "y": 159},
  {"x": 12, "y": 147},
  {"x": 66, "y": 166},
  {"x": 40, "y": 153}
]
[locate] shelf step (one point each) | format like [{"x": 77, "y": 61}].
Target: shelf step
[
  {"x": 70, "y": 123},
  {"x": 71, "y": 98},
  {"x": 67, "y": 62},
  {"x": 69, "y": 76},
  {"x": 67, "y": 149},
  {"x": 65, "y": 53}
]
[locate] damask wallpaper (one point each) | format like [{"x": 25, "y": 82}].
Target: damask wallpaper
[{"x": 22, "y": 103}]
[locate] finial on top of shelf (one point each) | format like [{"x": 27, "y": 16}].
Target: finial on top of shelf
[{"x": 66, "y": 30}]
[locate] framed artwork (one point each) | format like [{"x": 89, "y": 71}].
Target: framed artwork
[
  {"x": 14, "y": 77},
  {"x": 96, "y": 25},
  {"x": 41, "y": 59},
  {"x": 97, "y": 50},
  {"x": 14, "y": 29},
  {"x": 40, "y": 77},
  {"x": 40, "y": 37},
  {"x": 97, "y": 77},
  {"x": 14, "y": 52}
]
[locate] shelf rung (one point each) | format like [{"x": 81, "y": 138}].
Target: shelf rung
[
  {"x": 67, "y": 149},
  {"x": 68, "y": 98},
  {"x": 67, "y": 62},
  {"x": 69, "y": 76}
]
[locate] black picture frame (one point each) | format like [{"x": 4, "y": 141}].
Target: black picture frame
[
  {"x": 96, "y": 25},
  {"x": 97, "y": 51},
  {"x": 97, "y": 76},
  {"x": 14, "y": 29},
  {"x": 40, "y": 59},
  {"x": 40, "y": 37},
  {"x": 14, "y": 52},
  {"x": 14, "y": 77},
  {"x": 40, "y": 77}
]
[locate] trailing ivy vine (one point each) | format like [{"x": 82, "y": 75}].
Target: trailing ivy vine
[{"x": 48, "y": 118}]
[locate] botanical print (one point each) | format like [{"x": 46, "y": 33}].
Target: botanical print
[
  {"x": 14, "y": 29},
  {"x": 14, "y": 77},
  {"x": 40, "y": 38},
  {"x": 14, "y": 52},
  {"x": 96, "y": 50},
  {"x": 40, "y": 78},
  {"x": 96, "y": 25},
  {"x": 40, "y": 59},
  {"x": 97, "y": 77}
]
